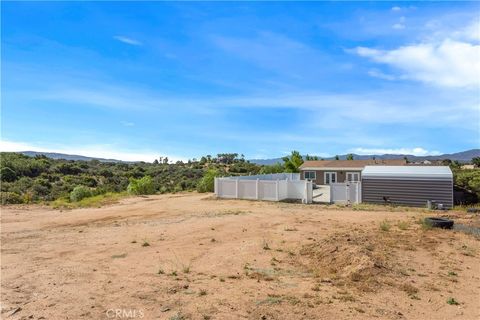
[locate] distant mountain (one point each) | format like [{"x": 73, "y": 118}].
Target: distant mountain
[
  {"x": 54, "y": 155},
  {"x": 464, "y": 156}
]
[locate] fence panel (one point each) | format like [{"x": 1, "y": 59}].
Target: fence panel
[
  {"x": 247, "y": 189},
  {"x": 272, "y": 190},
  {"x": 283, "y": 189},
  {"x": 267, "y": 190},
  {"x": 226, "y": 188}
]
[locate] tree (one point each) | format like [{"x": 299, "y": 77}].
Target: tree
[
  {"x": 141, "y": 186},
  {"x": 207, "y": 183},
  {"x": 349, "y": 156},
  {"x": 293, "y": 163},
  {"x": 476, "y": 162},
  {"x": 337, "y": 157},
  {"x": 446, "y": 162},
  {"x": 7, "y": 174},
  {"x": 274, "y": 168}
]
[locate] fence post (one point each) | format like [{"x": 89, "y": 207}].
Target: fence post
[
  {"x": 215, "y": 186},
  {"x": 276, "y": 190},
  {"x": 236, "y": 188},
  {"x": 305, "y": 192},
  {"x": 347, "y": 193},
  {"x": 256, "y": 189}
]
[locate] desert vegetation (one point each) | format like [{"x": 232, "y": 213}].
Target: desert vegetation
[
  {"x": 37, "y": 179},
  {"x": 85, "y": 183}
]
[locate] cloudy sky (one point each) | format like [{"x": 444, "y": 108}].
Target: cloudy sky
[{"x": 136, "y": 81}]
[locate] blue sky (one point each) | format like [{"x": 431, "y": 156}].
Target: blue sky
[{"x": 135, "y": 81}]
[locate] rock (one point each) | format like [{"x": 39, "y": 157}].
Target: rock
[{"x": 15, "y": 311}]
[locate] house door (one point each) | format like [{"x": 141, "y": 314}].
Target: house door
[{"x": 330, "y": 177}]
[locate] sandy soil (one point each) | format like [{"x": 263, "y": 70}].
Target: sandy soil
[{"x": 190, "y": 256}]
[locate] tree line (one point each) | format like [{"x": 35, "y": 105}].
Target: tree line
[{"x": 27, "y": 179}]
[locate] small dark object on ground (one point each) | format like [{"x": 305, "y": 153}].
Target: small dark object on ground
[
  {"x": 473, "y": 210},
  {"x": 467, "y": 229},
  {"x": 439, "y": 222},
  {"x": 386, "y": 200}
]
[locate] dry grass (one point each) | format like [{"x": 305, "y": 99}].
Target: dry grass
[{"x": 98, "y": 201}]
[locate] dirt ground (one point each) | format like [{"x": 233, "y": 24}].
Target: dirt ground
[{"x": 190, "y": 256}]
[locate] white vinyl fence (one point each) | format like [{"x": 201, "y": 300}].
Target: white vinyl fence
[
  {"x": 272, "y": 187},
  {"x": 347, "y": 192}
]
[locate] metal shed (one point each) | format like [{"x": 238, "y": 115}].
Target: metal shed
[{"x": 408, "y": 185}]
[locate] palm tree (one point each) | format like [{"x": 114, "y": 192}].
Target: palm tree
[{"x": 293, "y": 163}]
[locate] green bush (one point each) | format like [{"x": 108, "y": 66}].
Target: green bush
[
  {"x": 79, "y": 193},
  {"x": 11, "y": 198},
  {"x": 141, "y": 186},
  {"x": 468, "y": 179},
  {"x": 207, "y": 183},
  {"x": 7, "y": 174}
]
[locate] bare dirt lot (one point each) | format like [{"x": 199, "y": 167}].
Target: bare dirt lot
[{"x": 189, "y": 256}]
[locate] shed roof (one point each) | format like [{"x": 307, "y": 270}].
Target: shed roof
[{"x": 407, "y": 172}]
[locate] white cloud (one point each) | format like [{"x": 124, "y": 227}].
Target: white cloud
[
  {"x": 471, "y": 32},
  {"x": 128, "y": 40},
  {"x": 449, "y": 63},
  {"x": 398, "y": 26},
  {"x": 127, "y": 124},
  {"x": 97, "y": 151},
  {"x": 396, "y": 9},
  {"x": 418, "y": 151},
  {"x": 378, "y": 74}
]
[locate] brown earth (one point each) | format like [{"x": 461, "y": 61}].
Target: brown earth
[{"x": 190, "y": 256}]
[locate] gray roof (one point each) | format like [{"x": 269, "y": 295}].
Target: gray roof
[{"x": 407, "y": 172}]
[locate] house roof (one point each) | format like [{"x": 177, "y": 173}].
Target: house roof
[
  {"x": 407, "y": 172},
  {"x": 330, "y": 164}
]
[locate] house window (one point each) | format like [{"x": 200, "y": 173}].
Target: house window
[
  {"x": 310, "y": 175},
  {"x": 353, "y": 176},
  {"x": 330, "y": 177}
]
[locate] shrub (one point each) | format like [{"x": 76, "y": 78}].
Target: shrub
[
  {"x": 11, "y": 198},
  {"x": 79, "y": 193},
  {"x": 7, "y": 174},
  {"x": 385, "y": 225},
  {"x": 207, "y": 183},
  {"x": 141, "y": 186},
  {"x": 402, "y": 225},
  {"x": 452, "y": 302}
]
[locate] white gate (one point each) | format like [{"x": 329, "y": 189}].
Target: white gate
[{"x": 347, "y": 192}]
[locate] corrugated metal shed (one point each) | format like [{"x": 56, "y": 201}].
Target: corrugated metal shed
[{"x": 408, "y": 185}]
